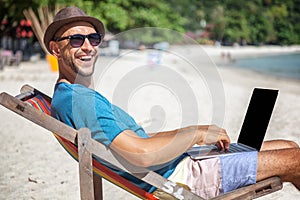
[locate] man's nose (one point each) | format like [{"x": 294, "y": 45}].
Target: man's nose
[{"x": 86, "y": 44}]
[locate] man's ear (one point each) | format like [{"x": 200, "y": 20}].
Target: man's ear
[{"x": 54, "y": 49}]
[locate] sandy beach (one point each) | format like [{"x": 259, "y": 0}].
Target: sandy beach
[{"x": 34, "y": 166}]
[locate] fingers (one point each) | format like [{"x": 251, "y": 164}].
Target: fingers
[
  {"x": 220, "y": 145},
  {"x": 218, "y": 136},
  {"x": 223, "y": 145}
]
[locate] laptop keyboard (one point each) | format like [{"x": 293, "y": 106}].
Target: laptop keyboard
[
  {"x": 212, "y": 151},
  {"x": 238, "y": 148}
]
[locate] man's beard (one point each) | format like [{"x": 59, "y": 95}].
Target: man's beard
[{"x": 83, "y": 71}]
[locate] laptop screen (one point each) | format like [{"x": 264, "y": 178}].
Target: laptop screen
[{"x": 257, "y": 117}]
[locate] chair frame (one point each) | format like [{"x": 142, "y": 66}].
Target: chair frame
[{"x": 87, "y": 147}]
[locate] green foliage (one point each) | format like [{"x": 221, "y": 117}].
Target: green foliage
[
  {"x": 120, "y": 15},
  {"x": 219, "y": 21},
  {"x": 256, "y": 21},
  {"x": 150, "y": 36},
  {"x": 125, "y": 15}
]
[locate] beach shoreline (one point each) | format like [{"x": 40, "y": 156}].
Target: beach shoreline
[
  {"x": 35, "y": 166},
  {"x": 251, "y": 51}
]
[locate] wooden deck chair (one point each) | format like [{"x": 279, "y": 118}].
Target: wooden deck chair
[{"x": 29, "y": 104}]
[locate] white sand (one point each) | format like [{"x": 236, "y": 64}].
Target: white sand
[{"x": 34, "y": 165}]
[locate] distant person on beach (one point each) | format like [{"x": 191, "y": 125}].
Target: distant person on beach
[{"x": 73, "y": 37}]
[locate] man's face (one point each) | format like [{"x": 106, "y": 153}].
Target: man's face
[{"x": 81, "y": 59}]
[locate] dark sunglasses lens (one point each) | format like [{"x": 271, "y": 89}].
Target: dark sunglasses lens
[
  {"x": 77, "y": 40},
  {"x": 94, "y": 39}
]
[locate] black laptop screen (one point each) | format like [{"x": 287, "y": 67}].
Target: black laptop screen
[{"x": 257, "y": 117}]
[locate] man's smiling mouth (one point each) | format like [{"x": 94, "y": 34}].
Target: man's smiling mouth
[{"x": 85, "y": 58}]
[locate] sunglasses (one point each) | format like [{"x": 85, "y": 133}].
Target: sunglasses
[{"x": 77, "y": 40}]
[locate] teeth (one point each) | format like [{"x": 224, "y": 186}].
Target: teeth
[{"x": 86, "y": 58}]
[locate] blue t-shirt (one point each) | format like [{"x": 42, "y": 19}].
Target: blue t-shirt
[{"x": 80, "y": 107}]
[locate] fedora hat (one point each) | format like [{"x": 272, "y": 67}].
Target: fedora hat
[{"x": 66, "y": 16}]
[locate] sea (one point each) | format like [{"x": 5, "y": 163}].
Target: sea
[{"x": 283, "y": 65}]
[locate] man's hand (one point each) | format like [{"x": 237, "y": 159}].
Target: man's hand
[{"x": 215, "y": 135}]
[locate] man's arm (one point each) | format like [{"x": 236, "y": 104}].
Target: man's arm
[{"x": 165, "y": 146}]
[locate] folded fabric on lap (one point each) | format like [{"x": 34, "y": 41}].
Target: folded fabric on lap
[{"x": 214, "y": 176}]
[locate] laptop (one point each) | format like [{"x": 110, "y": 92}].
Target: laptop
[{"x": 253, "y": 130}]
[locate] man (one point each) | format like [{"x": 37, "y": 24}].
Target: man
[{"x": 73, "y": 38}]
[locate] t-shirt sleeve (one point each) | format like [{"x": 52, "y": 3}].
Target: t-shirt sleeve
[{"x": 97, "y": 114}]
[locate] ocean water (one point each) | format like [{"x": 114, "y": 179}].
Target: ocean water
[{"x": 284, "y": 65}]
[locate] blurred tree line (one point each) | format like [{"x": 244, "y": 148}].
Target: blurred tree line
[{"x": 231, "y": 21}]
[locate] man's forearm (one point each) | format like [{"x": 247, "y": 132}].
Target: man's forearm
[
  {"x": 165, "y": 146},
  {"x": 158, "y": 149}
]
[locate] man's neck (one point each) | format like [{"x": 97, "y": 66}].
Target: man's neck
[{"x": 85, "y": 81}]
